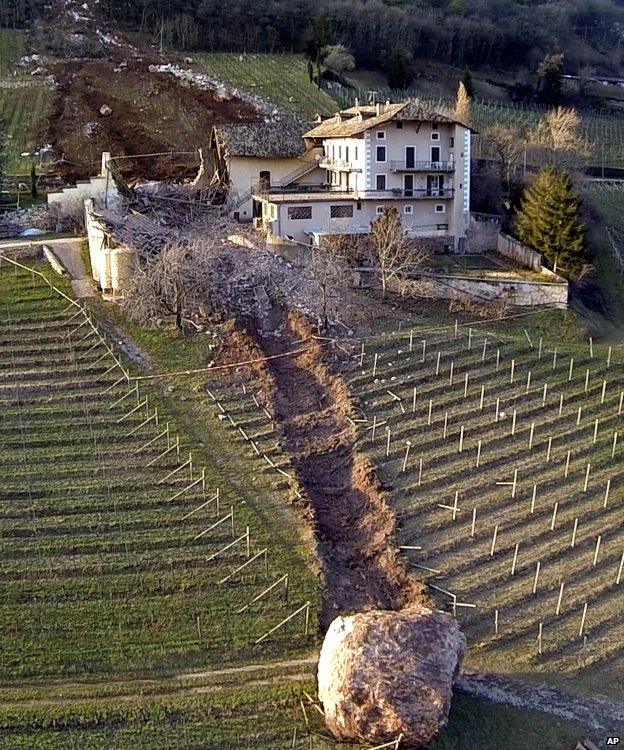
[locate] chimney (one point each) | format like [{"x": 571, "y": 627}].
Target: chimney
[
  {"x": 357, "y": 102},
  {"x": 378, "y": 107}
]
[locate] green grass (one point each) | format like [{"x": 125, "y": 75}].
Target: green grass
[
  {"x": 465, "y": 564},
  {"x": 280, "y": 79},
  {"x": 24, "y": 112},
  {"x": 95, "y": 550},
  {"x": 12, "y": 47}
]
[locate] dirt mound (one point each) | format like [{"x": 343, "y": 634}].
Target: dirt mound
[
  {"x": 150, "y": 113},
  {"x": 354, "y": 525}
]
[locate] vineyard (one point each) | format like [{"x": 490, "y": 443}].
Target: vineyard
[
  {"x": 126, "y": 553},
  {"x": 280, "y": 79},
  {"x": 505, "y": 462},
  {"x": 24, "y": 103}
]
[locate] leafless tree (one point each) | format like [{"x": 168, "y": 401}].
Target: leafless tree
[
  {"x": 558, "y": 133},
  {"x": 395, "y": 254},
  {"x": 330, "y": 278},
  {"x": 508, "y": 144},
  {"x": 206, "y": 280},
  {"x": 462, "y": 104}
]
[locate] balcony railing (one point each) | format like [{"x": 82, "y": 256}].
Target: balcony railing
[
  {"x": 342, "y": 165},
  {"x": 265, "y": 190},
  {"x": 416, "y": 193},
  {"x": 422, "y": 166}
]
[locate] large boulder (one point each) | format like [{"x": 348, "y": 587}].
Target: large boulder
[{"x": 382, "y": 674}]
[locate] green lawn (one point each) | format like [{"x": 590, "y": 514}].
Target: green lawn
[
  {"x": 280, "y": 79},
  {"x": 12, "y": 47}
]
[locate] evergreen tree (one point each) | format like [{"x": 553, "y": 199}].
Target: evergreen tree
[
  {"x": 550, "y": 79},
  {"x": 548, "y": 220},
  {"x": 468, "y": 83},
  {"x": 399, "y": 68}
]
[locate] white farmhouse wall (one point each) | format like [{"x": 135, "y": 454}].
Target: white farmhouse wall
[
  {"x": 422, "y": 220},
  {"x": 244, "y": 171}
]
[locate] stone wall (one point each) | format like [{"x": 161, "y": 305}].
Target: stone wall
[
  {"x": 112, "y": 267},
  {"x": 521, "y": 254},
  {"x": 521, "y": 292}
]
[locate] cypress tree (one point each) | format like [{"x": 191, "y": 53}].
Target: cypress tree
[{"x": 548, "y": 220}]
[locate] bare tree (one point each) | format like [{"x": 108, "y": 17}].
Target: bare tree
[
  {"x": 558, "y": 132},
  {"x": 199, "y": 281},
  {"x": 508, "y": 144},
  {"x": 329, "y": 276},
  {"x": 394, "y": 252},
  {"x": 462, "y": 104}
]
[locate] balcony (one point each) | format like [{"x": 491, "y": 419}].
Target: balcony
[
  {"x": 415, "y": 193},
  {"x": 300, "y": 192},
  {"x": 338, "y": 165},
  {"x": 422, "y": 166}
]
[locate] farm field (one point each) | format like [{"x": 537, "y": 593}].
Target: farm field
[
  {"x": 280, "y": 79},
  {"x": 521, "y": 538},
  {"x": 121, "y": 559},
  {"x": 24, "y": 102}
]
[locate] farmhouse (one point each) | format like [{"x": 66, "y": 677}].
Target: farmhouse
[
  {"x": 268, "y": 154},
  {"x": 348, "y": 168}
]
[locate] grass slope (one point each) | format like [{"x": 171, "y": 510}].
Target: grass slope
[
  {"x": 103, "y": 579},
  {"x": 280, "y": 79}
]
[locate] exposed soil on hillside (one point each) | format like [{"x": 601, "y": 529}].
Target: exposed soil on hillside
[
  {"x": 151, "y": 113},
  {"x": 354, "y": 525}
]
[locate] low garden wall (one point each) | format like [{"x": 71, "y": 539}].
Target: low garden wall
[
  {"x": 516, "y": 251},
  {"x": 521, "y": 292}
]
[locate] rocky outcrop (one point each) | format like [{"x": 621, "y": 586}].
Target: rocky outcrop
[{"x": 383, "y": 673}]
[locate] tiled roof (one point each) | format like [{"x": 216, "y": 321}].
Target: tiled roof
[
  {"x": 356, "y": 120},
  {"x": 267, "y": 140}
]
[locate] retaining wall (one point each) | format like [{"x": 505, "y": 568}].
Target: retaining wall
[
  {"x": 521, "y": 254},
  {"x": 521, "y": 292}
]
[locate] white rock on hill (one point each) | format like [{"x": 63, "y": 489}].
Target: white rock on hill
[{"x": 382, "y": 674}]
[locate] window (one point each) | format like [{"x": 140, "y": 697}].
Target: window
[
  {"x": 380, "y": 182},
  {"x": 340, "y": 152},
  {"x": 399, "y": 125},
  {"x": 296, "y": 213},
  {"x": 435, "y": 136},
  {"x": 355, "y": 153},
  {"x": 408, "y": 209},
  {"x": 346, "y": 153},
  {"x": 380, "y": 153},
  {"x": 435, "y": 126},
  {"x": 451, "y": 141},
  {"x": 440, "y": 208},
  {"x": 340, "y": 212},
  {"x": 381, "y": 135},
  {"x": 379, "y": 210},
  {"x": 359, "y": 205}
]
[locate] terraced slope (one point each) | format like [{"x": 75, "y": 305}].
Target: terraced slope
[{"x": 127, "y": 555}]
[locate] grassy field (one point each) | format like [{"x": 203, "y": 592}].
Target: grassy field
[
  {"x": 12, "y": 47},
  {"x": 606, "y": 237},
  {"x": 481, "y": 568},
  {"x": 280, "y": 79},
  {"x": 119, "y": 562},
  {"x": 24, "y": 102}
]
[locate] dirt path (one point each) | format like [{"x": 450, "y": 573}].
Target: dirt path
[
  {"x": 600, "y": 715},
  {"x": 353, "y": 523}
]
